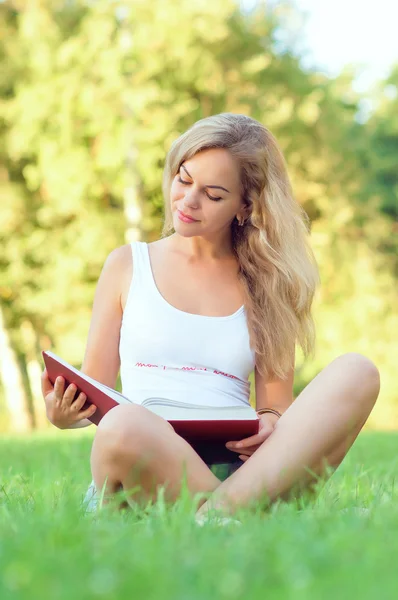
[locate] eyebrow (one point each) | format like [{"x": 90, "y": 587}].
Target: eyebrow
[{"x": 219, "y": 187}]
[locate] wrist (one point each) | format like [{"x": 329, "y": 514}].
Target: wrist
[
  {"x": 269, "y": 410},
  {"x": 56, "y": 423}
]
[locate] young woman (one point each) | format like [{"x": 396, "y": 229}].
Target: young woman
[{"x": 226, "y": 290}]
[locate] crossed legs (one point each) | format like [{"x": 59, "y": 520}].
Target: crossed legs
[{"x": 134, "y": 448}]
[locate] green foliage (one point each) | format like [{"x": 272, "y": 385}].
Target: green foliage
[
  {"x": 93, "y": 94},
  {"x": 380, "y": 152}
]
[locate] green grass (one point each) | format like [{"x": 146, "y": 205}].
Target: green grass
[{"x": 300, "y": 550}]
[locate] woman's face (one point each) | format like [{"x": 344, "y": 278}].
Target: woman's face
[{"x": 206, "y": 188}]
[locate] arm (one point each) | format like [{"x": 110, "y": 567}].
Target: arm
[
  {"x": 101, "y": 360},
  {"x": 276, "y": 394}
]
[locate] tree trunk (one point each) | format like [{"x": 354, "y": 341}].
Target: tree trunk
[
  {"x": 33, "y": 371},
  {"x": 132, "y": 199},
  {"x": 14, "y": 392}
]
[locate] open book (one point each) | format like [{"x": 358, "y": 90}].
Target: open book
[{"x": 198, "y": 424}]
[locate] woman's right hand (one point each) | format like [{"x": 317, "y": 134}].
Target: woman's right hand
[{"x": 61, "y": 408}]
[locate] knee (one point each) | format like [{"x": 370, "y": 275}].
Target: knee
[
  {"x": 120, "y": 432},
  {"x": 364, "y": 372}
]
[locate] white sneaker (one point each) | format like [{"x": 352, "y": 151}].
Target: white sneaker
[
  {"x": 355, "y": 510},
  {"x": 91, "y": 499},
  {"x": 203, "y": 520}
]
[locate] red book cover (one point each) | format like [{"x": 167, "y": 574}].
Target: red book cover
[
  {"x": 209, "y": 434},
  {"x": 95, "y": 395}
]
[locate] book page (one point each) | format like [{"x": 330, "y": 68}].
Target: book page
[{"x": 172, "y": 410}]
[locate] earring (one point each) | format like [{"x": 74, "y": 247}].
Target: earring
[{"x": 240, "y": 222}]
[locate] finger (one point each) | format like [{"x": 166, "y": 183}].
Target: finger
[
  {"x": 244, "y": 457},
  {"x": 69, "y": 395},
  {"x": 253, "y": 440},
  {"x": 59, "y": 385},
  {"x": 86, "y": 414},
  {"x": 46, "y": 385},
  {"x": 237, "y": 450},
  {"x": 78, "y": 404}
]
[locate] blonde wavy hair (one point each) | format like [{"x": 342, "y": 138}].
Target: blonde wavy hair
[{"x": 277, "y": 267}]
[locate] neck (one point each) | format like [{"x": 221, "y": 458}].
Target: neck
[{"x": 200, "y": 248}]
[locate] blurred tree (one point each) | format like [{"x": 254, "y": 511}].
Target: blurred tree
[
  {"x": 17, "y": 416},
  {"x": 93, "y": 94},
  {"x": 378, "y": 156}
]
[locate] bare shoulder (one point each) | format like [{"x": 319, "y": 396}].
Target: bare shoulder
[
  {"x": 120, "y": 258},
  {"x": 119, "y": 262}
]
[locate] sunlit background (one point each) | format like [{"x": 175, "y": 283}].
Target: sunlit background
[{"x": 94, "y": 93}]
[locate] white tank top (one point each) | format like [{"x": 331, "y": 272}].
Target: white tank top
[{"x": 168, "y": 353}]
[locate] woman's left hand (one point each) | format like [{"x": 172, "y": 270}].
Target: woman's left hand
[{"x": 248, "y": 446}]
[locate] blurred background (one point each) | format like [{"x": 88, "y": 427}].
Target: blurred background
[{"x": 92, "y": 95}]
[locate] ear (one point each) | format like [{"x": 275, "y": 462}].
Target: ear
[{"x": 244, "y": 212}]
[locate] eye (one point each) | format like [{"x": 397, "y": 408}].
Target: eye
[{"x": 215, "y": 199}]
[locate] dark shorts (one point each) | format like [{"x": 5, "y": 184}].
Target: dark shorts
[{"x": 222, "y": 462}]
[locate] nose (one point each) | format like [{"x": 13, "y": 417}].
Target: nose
[{"x": 191, "y": 200}]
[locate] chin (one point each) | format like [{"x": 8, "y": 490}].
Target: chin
[{"x": 184, "y": 231}]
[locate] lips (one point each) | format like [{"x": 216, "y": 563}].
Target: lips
[{"x": 187, "y": 216}]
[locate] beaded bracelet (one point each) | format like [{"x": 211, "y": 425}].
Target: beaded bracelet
[{"x": 262, "y": 411}]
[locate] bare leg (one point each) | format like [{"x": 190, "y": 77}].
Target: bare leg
[
  {"x": 135, "y": 449},
  {"x": 320, "y": 426}
]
